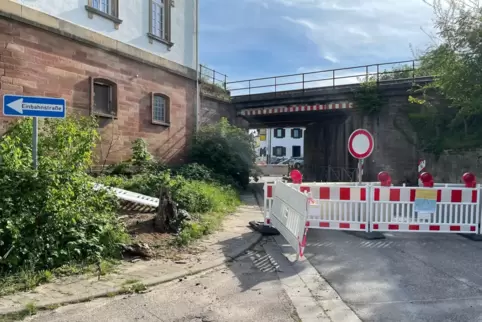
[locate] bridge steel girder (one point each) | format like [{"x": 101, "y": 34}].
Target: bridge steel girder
[{"x": 322, "y": 95}]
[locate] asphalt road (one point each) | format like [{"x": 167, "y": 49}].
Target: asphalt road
[
  {"x": 245, "y": 290},
  {"x": 405, "y": 277}
]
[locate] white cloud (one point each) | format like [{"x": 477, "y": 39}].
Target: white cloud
[
  {"x": 331, "y": 58},
  {"x": 373, "y": 29}
]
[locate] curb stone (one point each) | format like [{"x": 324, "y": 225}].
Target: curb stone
[{"x": 251, "y": 242}]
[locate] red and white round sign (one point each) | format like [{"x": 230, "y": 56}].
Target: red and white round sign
[{"x": 360, "y": 144}]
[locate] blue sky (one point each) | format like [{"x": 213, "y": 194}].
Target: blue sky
[{"x": 257, "y": 38}]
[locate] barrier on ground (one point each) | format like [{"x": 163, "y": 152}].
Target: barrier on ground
[
  {"x": 425, "y": 210},
  {"x": 130, "y": 196},
  {"x": 374, "y": 207},
  {"x": 339, "y": 207},
  {"x": 288, "y": 215}
]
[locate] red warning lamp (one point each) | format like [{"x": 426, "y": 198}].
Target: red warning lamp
[
  {"x": 385, "y": 179},
  {"x": 296, "y": 176},
  {"x": 427, "y": 179},
  {"x": 469, "y": 179}
]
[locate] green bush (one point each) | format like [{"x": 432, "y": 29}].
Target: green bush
[
  {"x": 195, "y": 171},
  {"x": 202, "y": 197},
  {"x": 195, "y": 196},
  {"x": 52, "y": 216},
  {"x": 225, "y": 149}
]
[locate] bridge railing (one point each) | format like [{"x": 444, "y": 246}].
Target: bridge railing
[
  {"x": 399, "y": 70},
  {"x": 211, "y": 76}
]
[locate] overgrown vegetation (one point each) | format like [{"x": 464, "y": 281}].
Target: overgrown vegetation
[
  {"x": 367, "y": 98},
  {"x": 52, "y": 217},
  {"x": 450, "y": 109},
  {"x": 211, "y": 85},
  {"x": 227, "y": 150},
  {"x": 223, "y": 158}
]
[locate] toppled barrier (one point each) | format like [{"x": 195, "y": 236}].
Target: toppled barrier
[{"x": 134, "y": 201}]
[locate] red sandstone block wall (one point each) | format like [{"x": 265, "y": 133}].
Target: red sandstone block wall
[{"x": 37, "y": 62}]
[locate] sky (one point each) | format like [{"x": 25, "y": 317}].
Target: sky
[{"x": 260, "y": 38}]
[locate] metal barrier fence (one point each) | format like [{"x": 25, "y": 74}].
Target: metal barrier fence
[
  {"x": 457, "y": 210},
  {"x": 370, "y": 207},
  {"x": 289, "y": 213}
]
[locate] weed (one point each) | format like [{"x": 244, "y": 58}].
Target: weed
[{"x": 133, "y": 288}]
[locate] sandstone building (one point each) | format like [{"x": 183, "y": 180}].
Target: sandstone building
[{"x": 132, "y": 63}]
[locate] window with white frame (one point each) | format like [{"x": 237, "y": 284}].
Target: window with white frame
[
  {"x": 102, "y": 5},
  {"x": 158, "y": 18},
  {"x": 159, "y": 24},
  {"x": 160, "y": 109},
  {"x": 108, "y": 9}
]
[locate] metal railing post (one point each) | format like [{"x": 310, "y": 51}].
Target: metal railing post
[
  {"x": 214, "y": 76},
  {"x": 333, "y": 78},
  {"x": 275, "y": 86},
  {"x": 225, "y": 82},
  {"x": 413, "y": 70},
  {"x": 249, "y": 87},
  {"x": 366, "y": 67},
  {"x": 378, "y": 73},
  {"x": 303, "y": 81}
]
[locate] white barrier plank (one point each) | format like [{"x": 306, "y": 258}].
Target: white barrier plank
[
  {"x": 288, "y": 214},
  {"x": 130, "y": 196}
]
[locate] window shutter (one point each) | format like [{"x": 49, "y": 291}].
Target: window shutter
[{"x": 284, "y": 151}]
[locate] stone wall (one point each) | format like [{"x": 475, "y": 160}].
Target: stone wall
[
  {"x": 393, "y": 134},
  {"x": 216, "y": 104},
  {"x": 451, "y": 165},
  {"x": 326, "y": 149},
  {"x": 37, "y": 62}
]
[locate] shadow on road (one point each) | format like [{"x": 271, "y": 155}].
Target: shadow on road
[{"x": 262, "y": 266}]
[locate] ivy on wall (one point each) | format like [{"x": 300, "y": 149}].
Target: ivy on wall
[{"x": 367, "y": 98}]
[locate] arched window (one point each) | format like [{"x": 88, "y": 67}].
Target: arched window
[
  {"x": 160, "y": 109},
  {"x": 103, "y": 97}
]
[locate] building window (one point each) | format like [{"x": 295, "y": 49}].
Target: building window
[
  {"x": 279, "y": 133},
  {"x": 105, "y": 8},
  {"x": 296, "y": 151},
  {"x": 160, "y": 21},
  {"x": 103, "y": 97},
  {"x": 279, "y": 151},
  {"x": 102, "y": 5},
  {"x": 296, "y": 133},
  {"x": 160, "y": 109}
]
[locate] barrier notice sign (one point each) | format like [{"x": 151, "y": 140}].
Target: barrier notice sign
[{"x": 425, "y": 202}]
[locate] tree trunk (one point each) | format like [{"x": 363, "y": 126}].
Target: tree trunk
[{"x": 166, "y": 212}]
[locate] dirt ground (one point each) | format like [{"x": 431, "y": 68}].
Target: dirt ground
[{"x": 141, "y": 228}]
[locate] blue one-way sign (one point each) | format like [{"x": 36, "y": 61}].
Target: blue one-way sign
[{"x": 30, "y": 106}]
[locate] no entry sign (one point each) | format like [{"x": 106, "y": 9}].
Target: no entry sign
[{"x": 360, "y": 144}]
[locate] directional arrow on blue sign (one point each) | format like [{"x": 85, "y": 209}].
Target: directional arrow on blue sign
[{"x": 31, "y": 106}]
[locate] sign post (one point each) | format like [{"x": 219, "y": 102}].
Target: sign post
[
  {"x": 31, "y": 106},
  {"x": 360, "y": 146},
  {"x": 421, "y": 169}
]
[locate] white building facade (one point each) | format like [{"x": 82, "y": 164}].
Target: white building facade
[
  {"x": 165, "y": 28},
  {"x": 281, "y": 142}
]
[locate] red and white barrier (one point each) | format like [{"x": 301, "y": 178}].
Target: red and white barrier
[
  {"x": 268, "y": 202},
  {"x": 370, "y": 207},
  {"x": 456, "y": 210},
  {"x": 339, "y": 208},
  {"x": 288, "y": 215}
]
